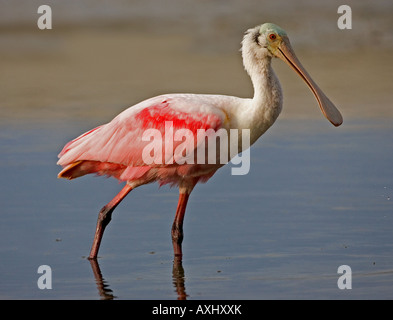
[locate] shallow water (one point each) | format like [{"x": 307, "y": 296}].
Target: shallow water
[
  {"x": 313, "y": 201},
  {"x": 317, "y": 197}
]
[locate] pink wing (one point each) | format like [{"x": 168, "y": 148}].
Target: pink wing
[{"x": 115, "y": 149}]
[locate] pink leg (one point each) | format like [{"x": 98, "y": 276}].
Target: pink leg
[
  {"x": 104, "y": 218},
  {"x": 177, "y": 227}
]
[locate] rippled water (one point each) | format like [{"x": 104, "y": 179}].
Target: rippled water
[
  {"x": 312, "y": 202},
  {"x": 316, "y": 197}
]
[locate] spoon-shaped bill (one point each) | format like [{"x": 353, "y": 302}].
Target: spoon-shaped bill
[{"x": 286, "y": 53}]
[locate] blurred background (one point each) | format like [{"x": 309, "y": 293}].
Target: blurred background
[
  {"x": 317, "y": 196},
  {"x": 113, "y": 54}
]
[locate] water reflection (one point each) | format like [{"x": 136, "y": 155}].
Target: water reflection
[
  {"x": 178, "y": 280},
  {"x": 102, "y": 286}
]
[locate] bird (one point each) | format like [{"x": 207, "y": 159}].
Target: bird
[{"x": 119, "y": 148}]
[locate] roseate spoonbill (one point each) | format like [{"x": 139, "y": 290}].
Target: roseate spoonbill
[{"x": 115, "y": 149}]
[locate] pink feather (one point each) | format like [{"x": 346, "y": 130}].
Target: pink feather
[{"x": 115, "y": 149}]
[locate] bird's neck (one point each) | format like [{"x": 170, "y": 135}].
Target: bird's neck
[
  {"x": 267, "y": 101},
  {"x": 260, "y": 75}
]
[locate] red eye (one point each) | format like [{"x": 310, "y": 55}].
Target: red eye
[{"x": 272, "y": 36}]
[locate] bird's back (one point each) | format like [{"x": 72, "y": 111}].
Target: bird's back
[{"x": 118, "y": 148}]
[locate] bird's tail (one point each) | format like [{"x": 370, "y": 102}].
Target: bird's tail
[
  {"x": 72, "y": 171},
  {"x": 80, "y": 168}
]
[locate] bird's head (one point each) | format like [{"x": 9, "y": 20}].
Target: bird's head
[
  {"x": 262, "y": 43},
  {"x": 269, "y": 36}
]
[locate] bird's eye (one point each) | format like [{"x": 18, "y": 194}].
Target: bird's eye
[{"x": 272, "y": 36}]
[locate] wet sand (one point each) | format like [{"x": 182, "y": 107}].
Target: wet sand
[{"x": 99, "y": 73}]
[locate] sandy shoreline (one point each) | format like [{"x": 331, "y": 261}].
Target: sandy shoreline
[{"x": 97, "y": 74}]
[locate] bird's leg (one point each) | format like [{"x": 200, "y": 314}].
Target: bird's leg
[
  {"x": 104, "y": 217},
  {"x": 177, "y": 227}
]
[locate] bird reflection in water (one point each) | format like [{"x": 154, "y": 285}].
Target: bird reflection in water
[
  {"x": 102, "y": 286},
  {"x": 179, "y": 279},
  {"x": 106, "y": 293}
]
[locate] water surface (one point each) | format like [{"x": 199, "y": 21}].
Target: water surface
[{"x": 313, "y": 201}]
